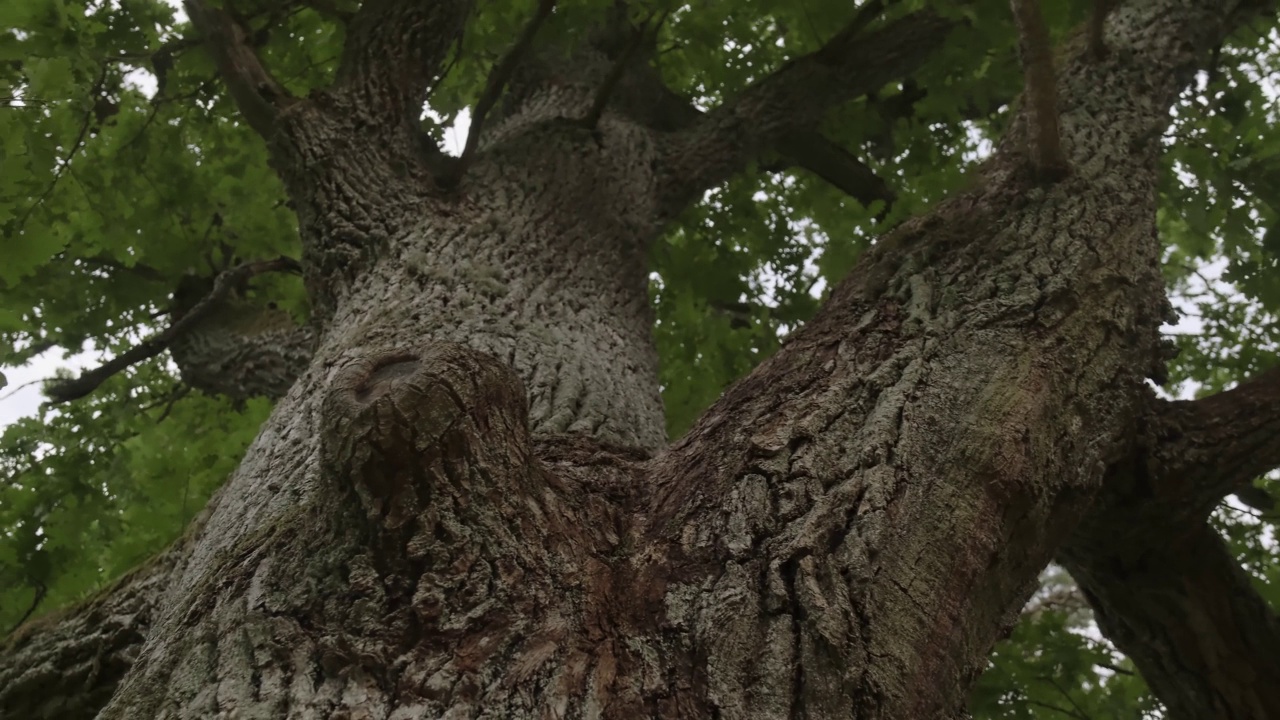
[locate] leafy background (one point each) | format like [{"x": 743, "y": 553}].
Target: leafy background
[{"x": 125, "y": 168}]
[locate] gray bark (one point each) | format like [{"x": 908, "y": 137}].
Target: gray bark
[{"x": 463, "y": 508}]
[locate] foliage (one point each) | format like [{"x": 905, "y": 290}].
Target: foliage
[{"x": 125, "y": 169}]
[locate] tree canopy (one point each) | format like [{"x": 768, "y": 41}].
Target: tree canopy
[{"x": 128, "y": 172}]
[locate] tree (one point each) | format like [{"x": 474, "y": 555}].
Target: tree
[{"x": 463, "y": 501}]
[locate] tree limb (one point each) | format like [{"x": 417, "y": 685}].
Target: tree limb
[
  {"x": 90, "y": 380},
  {"x": 1188, "y": 616},
  {"x": 1163, "y": 584},
  {"x": 258, "y": 95},
  {"x": 1203, "y": 450},
  {"x": 793, "y": 99},
  {"x": 497, "y": 80},
  {"x": 647, "y": 30},
  {"x": 396, "y": 49},
  {"x": 1044, "y": 139},
  {"x": 806, "y": 149},
  {"x": 839, "y": 167},
  {"x": 68, "y": 663}
]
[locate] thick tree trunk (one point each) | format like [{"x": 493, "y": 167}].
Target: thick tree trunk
[{"x": 461, "y": 509}]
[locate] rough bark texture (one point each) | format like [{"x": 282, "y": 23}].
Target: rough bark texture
[
  {"x": 1161, "y": 582},
  {"x": 241, "y": 347},
  {"x": 462, "y": 508},
  {"x": 1188, "y": 616}
]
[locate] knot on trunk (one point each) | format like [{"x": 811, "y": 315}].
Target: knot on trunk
[{"x": 395, "y": 424}]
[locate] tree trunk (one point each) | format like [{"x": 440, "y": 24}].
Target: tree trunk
[{"x": 464, "y": 507}]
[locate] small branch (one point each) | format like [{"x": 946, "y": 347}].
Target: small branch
[
  {"x": 498, "y": 79},
  {"x": 648, "y": 30},
  {"x": 1113, "y": 668},
  {"x": 182, "y": 391},
  {"x": 1044, "y": 140},
  {"x": 258, "y": 95},
  {"x": 839, "y": 167},
  {"x": 833, "y": 49},
  {"x": 90, "y": 380}
]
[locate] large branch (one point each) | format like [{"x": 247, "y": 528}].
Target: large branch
[
  {"x": 1203, "y": 450},
  {"x": 836, "y": 165},
  {"x": 794, "y": 99},
  {"x": 1166, "y": 590},
  {"x": 396, "y": 49},
  {"x": 1179, "y": 605},
  {"x": 806, "y": 149}
]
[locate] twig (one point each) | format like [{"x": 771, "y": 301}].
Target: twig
[
  {"x": 1051, "y": 706},
  {"x": 1044, "y": 141},
  {"x": 497, "y": 81},
  {"x": 14, "y": 390},
  {"x": 182, "y": 391},
  {"x": 1062, "y": 691},
  {"x": 89, "y": 381}
]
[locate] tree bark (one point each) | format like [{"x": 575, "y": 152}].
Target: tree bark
[
  {"x": 1162, "y": 584},
  {"x": 463, "y": 507}
]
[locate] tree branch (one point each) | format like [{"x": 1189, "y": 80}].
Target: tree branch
[
  {"x": 1188, "y": 616},
  {"x": 90, "y": 380},
  {"x": 1165, "y": 588},
  {"x": 647, "y": 31},
  {"x": 793, "y": 99},
  {"x": 806, "y": 149},
  {"x": 496, "y": 82},
  {"x": 1203, "y": 450},
  {"x": 839, "y": 167},
  {"x": 67, "y": 664},
  {"x": 396, "y": 49},
  {"x": 1044, "y": 139},
  {"x": 258, "y": 95}
]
